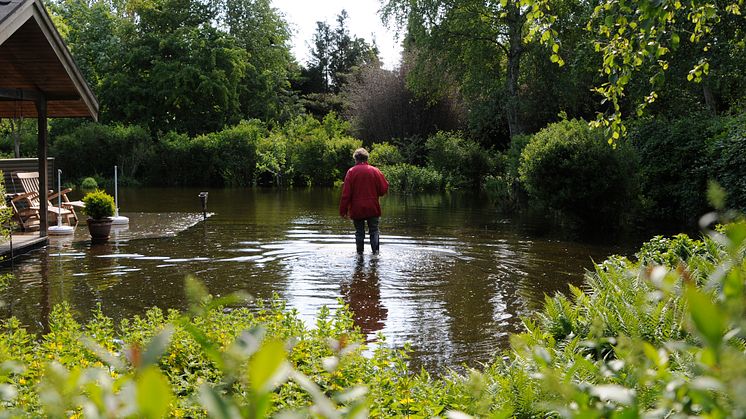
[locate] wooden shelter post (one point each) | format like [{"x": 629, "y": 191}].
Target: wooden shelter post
[{"x": 41, "y": 110}]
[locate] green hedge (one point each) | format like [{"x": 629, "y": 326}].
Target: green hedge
[
  {"x": 94, "y": 149},
  {"x": 673, "y": 168},
  {"x": 303, "y": 151}
]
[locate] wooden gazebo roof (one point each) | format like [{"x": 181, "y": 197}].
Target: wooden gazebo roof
[{"x": 35, "y": 63}]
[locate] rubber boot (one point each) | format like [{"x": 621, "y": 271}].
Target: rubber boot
[
  {"x": 373, "y": 231},
  {"x": 374, "y": 243},
  {"x": 359, "y": 235}
]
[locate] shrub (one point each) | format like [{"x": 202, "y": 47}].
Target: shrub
[
  {"x": 320, "y": 151},
  {"x": 412, "y": 149},
  {"x": 407, "y": 179},
  {"x": 98, "y": 204},
  {"x": 727, "y": 152},
  {"x": 385, "y": 154},
  {"x": 500, "y": 191},
  {"x": 570, "y": 168},
  {"x": 505, "y": 190},
  {"x": 673, "y": 167},
  {"x": 88, "y": 184},
  {"x": 462, "y": 162}
]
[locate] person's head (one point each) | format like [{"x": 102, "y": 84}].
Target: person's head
[{"x": 360, "y": 155}]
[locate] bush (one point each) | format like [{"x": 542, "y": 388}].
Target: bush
[
  {"x": 98, "y": 204},
  {"x": 88, "y": 184},
  {"x": 505, "y": 190},
  {"x": 385, "y": 154},
  {"x": 462, "y": 162},
  {"x": 673, "y": 168},
  {"x": 727, "y": 152},
  {"x": 407, "y": 179},
  {"x": 412, "y": 149},
  {"x": 570, "y": 168},
  {"x": 320, "y": 151}
]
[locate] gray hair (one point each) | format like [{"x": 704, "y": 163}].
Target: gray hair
[{"x": 360, "y": 155}]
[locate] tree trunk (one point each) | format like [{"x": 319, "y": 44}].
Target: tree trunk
[
  {"x": 515, "y": 51},
  {"x": 709, "y": 98},
  {"x": 15, "y": 128}
]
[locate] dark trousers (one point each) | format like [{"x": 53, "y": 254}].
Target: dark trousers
[{"x": 372, "y": 231}]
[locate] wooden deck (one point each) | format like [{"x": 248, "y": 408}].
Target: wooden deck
[{"x": 19, "y": 244}]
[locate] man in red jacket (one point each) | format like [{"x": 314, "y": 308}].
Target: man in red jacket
[{"x": 363, "y": 185}]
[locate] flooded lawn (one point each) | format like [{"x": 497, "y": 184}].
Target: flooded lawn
[{"x": 452, "y": 278}]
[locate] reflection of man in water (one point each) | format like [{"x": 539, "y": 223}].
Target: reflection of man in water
[
  {"x": 362, "y": 187},
  {"x": 363, "y": 295}
]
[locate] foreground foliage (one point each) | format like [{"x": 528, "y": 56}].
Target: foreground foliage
[{"x": 662, "y": 336}]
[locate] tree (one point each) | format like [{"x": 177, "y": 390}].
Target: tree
[
  {"x": 259, "y": 29},
  {"x": 478, "y": 42},
  {"x": 381, "y": 107},
  {"x": 191, "y": 66},
  {"x": 336, "y": 54},
  {"x": 637, "y": 38},
  {"x": 177, "y": 74}
]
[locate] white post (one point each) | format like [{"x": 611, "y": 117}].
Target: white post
[
  {"x": 116, "y": 194},
  {"x": 117, "y": 219},
  {"x": 59, "y": 198},
  {"x": 59, "y": 229}
]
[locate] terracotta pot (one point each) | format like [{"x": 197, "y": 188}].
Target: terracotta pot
[{"x": 99, "y": 228}]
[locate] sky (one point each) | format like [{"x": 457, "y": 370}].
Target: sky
[{"x": 363, "y": 22}]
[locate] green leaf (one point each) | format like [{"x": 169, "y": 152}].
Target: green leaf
[
  {"x": 716, "y": 195},
  {"x": 157, "y": 346},
  {"x": 268, "y": 366},
  {"x": 707, "y": 317},
  {"x": 216, "y": 405},
  {"x": 153, "y": 393}
]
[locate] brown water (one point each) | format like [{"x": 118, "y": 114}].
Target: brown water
[{"x": 452, "y": 278}]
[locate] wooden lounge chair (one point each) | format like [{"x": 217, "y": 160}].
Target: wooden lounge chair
[
  {"x": 30, "y": 184},
  {"x": 26, "y": 216}
]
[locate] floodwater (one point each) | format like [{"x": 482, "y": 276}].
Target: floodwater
[{"x": 453, "y": 276}]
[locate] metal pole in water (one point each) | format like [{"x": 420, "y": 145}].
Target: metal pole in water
[
  {"x": 59, "y": 229},
  {"x": 117, "y": 219},
  {"x": 203, "y": 200},
  {"x": 116, "y": 193}
]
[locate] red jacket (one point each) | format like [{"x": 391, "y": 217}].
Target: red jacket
[{"x": 363, "y": 185}]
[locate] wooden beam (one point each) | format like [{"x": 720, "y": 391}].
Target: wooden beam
[
  {"x": 41, "y": 110},
  {"x": 20, "y": 94}
]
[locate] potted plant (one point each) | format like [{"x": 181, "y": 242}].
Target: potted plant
[{"x": 99, "y": 207}]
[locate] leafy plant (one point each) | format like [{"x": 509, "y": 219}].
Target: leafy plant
[
  {"x": 385, "y": 154},
  {"x": 98, "y": 204},
  {"x": 89, "y": 183},
  {"x": 569, "y": 167},
  {"x": 406, "y": 178}
]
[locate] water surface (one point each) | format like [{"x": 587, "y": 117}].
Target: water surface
[{"x": 453, "y": 276}]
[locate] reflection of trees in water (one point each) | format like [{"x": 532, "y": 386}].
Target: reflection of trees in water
[{"x": 362, "y": 293}]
